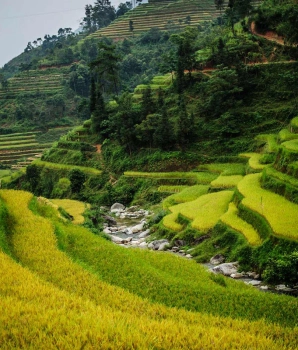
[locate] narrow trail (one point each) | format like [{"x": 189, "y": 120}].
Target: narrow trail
[
  {"x": 270, "y": 35},
  {"x": 98, "y": 148}
]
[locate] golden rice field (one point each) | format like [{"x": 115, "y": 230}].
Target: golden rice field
[
  {"x": 74, "y": 208},
  {"x": 172, "y": 189},
  {"x": 186, "y": 195},
  {"x": 254, "y": 161},
  {"x": 204, "y": 211},
  {"x": 226, "y": 181},
  {"x": 232, "y": 219},
  {"x": 50, "y": 301},
  {"x": 281, "y": 214}
]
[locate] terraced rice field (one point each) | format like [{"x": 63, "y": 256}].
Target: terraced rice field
[
  {"x": 35, "y": 81},
  {"x": 20, "y": 149},
  {"x": 163, "y": 15},
  {"x": 281, "y": 215},
  {"x": 75, "y": 298},
  {"x": 74, "y": 208}
]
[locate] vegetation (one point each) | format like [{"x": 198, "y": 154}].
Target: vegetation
[{"x": 195, "y": 119}]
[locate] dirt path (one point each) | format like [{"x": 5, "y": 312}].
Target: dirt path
[
  {"x": 98, "y": 148},
  {"x": 270, "y": 35}
]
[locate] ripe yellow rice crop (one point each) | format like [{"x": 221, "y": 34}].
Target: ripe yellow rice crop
[
  {"x": 281, "y": 214},
  {"x": 232, "y": 219},
  {"x": 254, "y": 161},
  {"x": 173, "y": 189},
  {"x": 206, "y": 210},
  {"x": 187, "y": 195},
  {"x": 74, "y": 208},
  {"x": 84, "y": 312},
  {"x": 169, "y": 221},
  {"x": 226, "y": 181}
]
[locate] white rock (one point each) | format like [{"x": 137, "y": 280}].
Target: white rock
[
  {"x": 188, "y": 256},
  {"x": 116, "y": 239},
  {"x": 144, "y": 234},
  {"x": 162, "y": 246},
  {"x": 264, "y": 287},
  {"x": 116, "y": 207},
  {"x": 143, "y": 245},
  {"x": 254, "y": 283},
  {"x": 137, "y": 228},
  {"x": 226, "y": 269},
  {"x": 106, "y": 230},
  {"x": 237, "y": 275}
]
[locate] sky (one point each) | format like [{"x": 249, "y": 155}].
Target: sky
[{"x": 22, "y": 21}]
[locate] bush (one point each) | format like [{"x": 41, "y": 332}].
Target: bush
[
  {"x": 283, "y": 269},
  {"x": 61, "y": 189},
  {"x": 77, "y": 179}
]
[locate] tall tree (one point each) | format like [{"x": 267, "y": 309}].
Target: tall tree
[{"x": 106, "y": 66}]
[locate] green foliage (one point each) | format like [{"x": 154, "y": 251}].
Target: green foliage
[
  {"x": 61, "y": 189},
  {"x": 77, "y": 179},
  {"x": 284, "y": 269}
]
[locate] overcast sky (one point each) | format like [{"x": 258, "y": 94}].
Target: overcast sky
[{"x": 22, "y": 21}]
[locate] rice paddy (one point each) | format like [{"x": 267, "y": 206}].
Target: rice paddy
[
  {"x": 226, "y": 181},
  {"x": 204, "y": 211},
  {"x": 254, "y": 161},
  {"x": 74, "y": 208},
  {"x": 54, "y": 299},
  {"x": 232, "y": 219},
  {"x": 281, "y": 214}
]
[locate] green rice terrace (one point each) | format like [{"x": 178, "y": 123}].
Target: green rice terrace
[
  {"x": 164, "y": 15},
  {"x": 18, "y": 150},
  {"x": 255, "y": 199},
  {"x": 43, "y": 81}
]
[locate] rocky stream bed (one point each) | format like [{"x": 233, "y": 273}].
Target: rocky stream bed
[{"x": 127, "y": 227}]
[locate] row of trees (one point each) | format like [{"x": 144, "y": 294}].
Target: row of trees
[{"x": 102, "y": 13}]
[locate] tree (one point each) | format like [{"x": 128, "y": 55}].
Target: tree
[
  {"x": 186, "y": 60},
  {"x": 106, "y": 66},
  {"x": 77, "y": 179},
  {"x": 237, "y": 10},
  {"x": 131, "y": 27},
  {"x": 219, "y": 4},
  {"x": 123, "y": 8}
]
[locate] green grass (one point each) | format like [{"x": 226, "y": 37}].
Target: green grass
[
  {"x": 224, "y": 168},
  {"x": 186, "y": 195},
  {"x": 226, "y": 181},
  {"x": 204, "y": 211},
  {"x": 231, "y": 218},
  {"x": 57, "y": 166},
  {"x": 281, "y": 214},
  {"x": 203, "y": 178}
]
